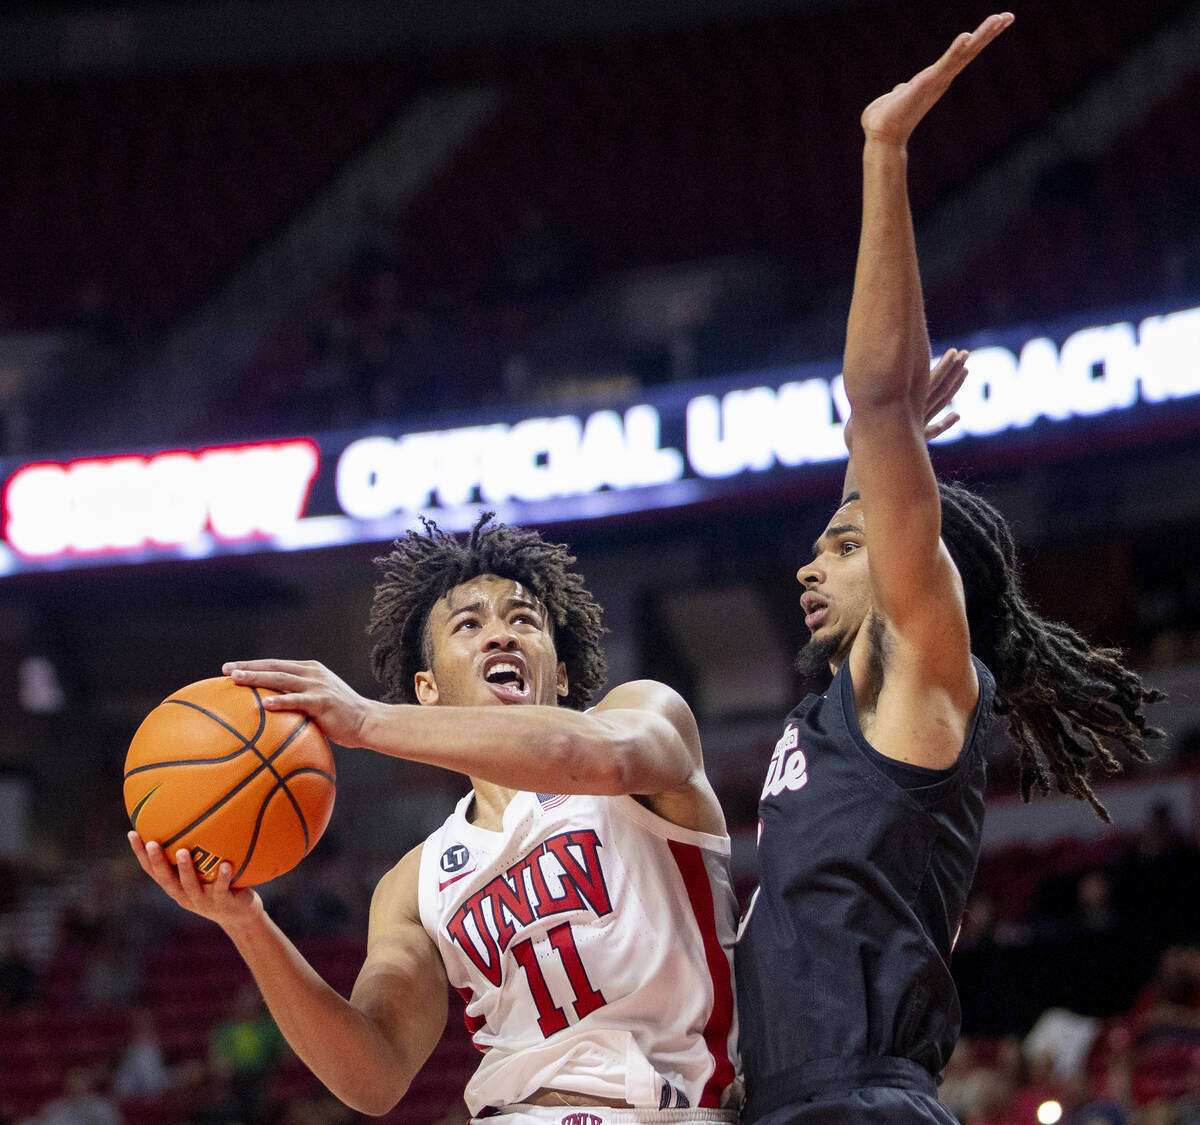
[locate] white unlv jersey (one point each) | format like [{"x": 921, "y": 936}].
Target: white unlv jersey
[{"x": 592, "y": 941}]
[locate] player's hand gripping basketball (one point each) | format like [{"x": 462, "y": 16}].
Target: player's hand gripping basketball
[
  {"x": 216, "y": 901},
  {"x": 306, "y": 685},
  {"x": 893, "y": 117}
]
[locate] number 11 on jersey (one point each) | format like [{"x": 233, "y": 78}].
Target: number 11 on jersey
[{"x": 551, "y": 1018}]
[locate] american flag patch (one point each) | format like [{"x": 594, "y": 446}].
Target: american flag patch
[{"x": 551, "y": 800}]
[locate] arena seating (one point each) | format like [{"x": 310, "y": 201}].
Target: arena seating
[
  {"x": 191, "y": 981},
  {"x": 747, "y": 143},
  {"x": 1116, "y": 231},
  {"x": 157, "y": 184}
]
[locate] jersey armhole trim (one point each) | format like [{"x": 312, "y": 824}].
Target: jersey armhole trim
[{"x": 634, "y": 810}]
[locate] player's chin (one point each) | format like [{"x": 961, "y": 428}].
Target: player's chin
[{"x": 814, "y": 657}]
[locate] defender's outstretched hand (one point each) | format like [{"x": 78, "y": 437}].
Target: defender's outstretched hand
[
  {"x": 944, "y": 380},
  {"x": 892, "y": 117},
  {"x": 306, "y": 685}
]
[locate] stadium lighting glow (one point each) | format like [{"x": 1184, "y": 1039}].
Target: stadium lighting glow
[
  {"x": 533, "y": 460},
  {"x": 1097, "y": 370},
  {"x": 118, "y": 504},
  {"x": 1049, "y": 1112},
  {"x": 758, "y": 428}
]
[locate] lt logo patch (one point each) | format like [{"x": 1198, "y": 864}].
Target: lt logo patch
[
  {"x": 453, "y": 861},
  {"x": 454, "y": 858},
  {"x": 789, "y": 767}
]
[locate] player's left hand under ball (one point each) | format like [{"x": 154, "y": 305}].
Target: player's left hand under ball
[{"x": 216, "y": 900}]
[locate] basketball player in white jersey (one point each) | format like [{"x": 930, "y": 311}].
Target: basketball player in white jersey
[{"x": 578, "y": 898}]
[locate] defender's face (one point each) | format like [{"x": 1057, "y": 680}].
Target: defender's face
[
  {"x": 491, "y": 643},
  {"x": 837, "y": 584}
]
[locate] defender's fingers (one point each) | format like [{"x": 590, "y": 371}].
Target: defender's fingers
[
  {"x": 943, "y": 371},
  {"x": 965, "y": 47},
  {"x": 946, "y": 378},
  {"x": 968, "y": 45},
  {"x": 936, "y": 429}
]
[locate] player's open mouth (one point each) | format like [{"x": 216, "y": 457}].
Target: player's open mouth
[
  {"x": 815, "y": 607},
  {"x": 507, "y": 680}
]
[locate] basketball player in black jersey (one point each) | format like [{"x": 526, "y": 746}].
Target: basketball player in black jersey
[{"x": 871, "y": 813}]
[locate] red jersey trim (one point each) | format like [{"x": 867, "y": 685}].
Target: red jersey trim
[{"x": 690, "y": 862}]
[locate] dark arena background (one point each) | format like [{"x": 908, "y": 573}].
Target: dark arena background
[{"x": 277, "y": 276}]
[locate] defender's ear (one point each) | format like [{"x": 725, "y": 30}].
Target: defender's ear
[
  {"x": 426, "y": 688},
  {"x": 561, "y": 680}
]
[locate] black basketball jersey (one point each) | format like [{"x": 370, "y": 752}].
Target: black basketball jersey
[{"x": 864, "y": 868}]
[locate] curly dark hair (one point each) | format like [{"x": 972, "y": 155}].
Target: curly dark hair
[
  {"x": 425, "y": 565},
  {"x": 1063, "y": 698}
]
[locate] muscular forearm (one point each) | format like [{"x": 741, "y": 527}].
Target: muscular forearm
[
  {"x": 887, "y": 345},
  {"x": 640, "y": 738},
  {"x": 337, "y": 1042},
  {"x": 534, "y": 748}
]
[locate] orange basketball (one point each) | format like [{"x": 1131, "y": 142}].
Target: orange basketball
[{"x": 212, "y": 770}]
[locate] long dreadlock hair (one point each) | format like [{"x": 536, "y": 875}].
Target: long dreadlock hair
[
  {"x": 425, "y": 565},
  {"x": 1063, "y": 698}
]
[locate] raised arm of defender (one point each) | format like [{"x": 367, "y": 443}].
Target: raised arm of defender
[
  {"x": 944, "y": 380},
  {"x": 928, "y": 688},
  {"x": 886, "y": 363}
]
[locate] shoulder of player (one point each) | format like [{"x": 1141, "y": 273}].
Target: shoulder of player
[
  {"x": 672, "y": 727},
  {"x": 654, "y": 697},
  {"x": 694, "y": 806},
  {"x": 650, "y": 694}
]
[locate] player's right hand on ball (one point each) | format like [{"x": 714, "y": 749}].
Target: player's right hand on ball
[
  {"x": 216, "y": 900},
  {"x": 306, "y": 685}
]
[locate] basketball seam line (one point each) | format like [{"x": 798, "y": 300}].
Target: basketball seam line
[
  {"x": 253, "y": 739},
  {"x": 250, "y": 743},
  {"x": 262, "y": 812},
  {"x": 265, "y": 764}
]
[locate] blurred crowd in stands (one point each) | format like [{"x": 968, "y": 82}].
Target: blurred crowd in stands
[
  {"x": 598, "y": 163},
  {"x": 377, "y": 344},
  {"x": 1138, "y": 1067}
]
